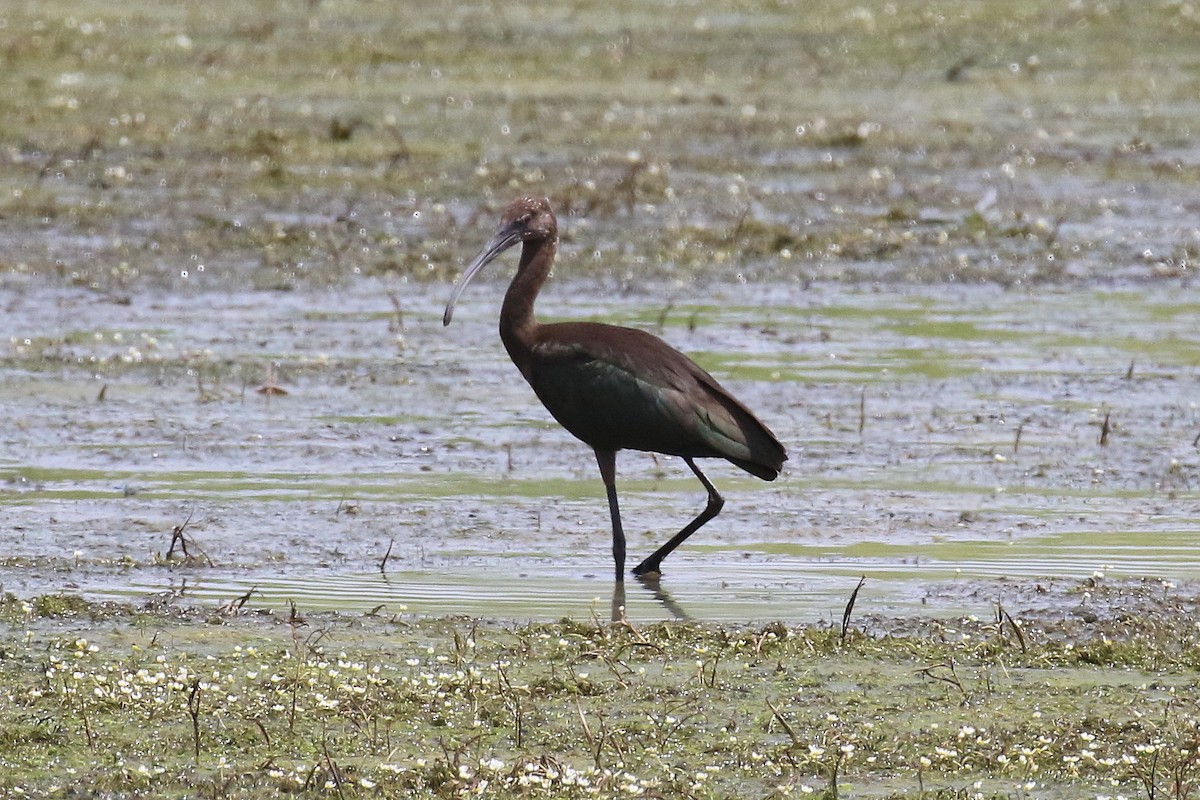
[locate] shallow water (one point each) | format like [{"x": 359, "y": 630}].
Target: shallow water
[{"x": 941, "y": 439}]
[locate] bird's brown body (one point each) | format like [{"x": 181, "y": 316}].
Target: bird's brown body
[
  {"x": 589, "y": 376},
  {"x": 618, "y": 388}
]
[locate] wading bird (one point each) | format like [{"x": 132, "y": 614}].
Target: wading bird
[{"x": 617, "y": 388}]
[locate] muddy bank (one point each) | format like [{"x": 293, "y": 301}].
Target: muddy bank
[{"x": 1009, "y": 142}]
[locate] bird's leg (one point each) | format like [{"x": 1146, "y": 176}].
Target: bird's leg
[
  {"x": 715, "y": 503},
  {"x": 607, "y": 459}
]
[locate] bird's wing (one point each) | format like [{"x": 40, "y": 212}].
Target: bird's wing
[{"x": 619, "y": 388}]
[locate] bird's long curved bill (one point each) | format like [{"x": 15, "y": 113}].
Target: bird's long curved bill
[{"x": 501, "y": 241}]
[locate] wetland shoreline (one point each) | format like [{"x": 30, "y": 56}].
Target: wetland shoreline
[{"x": 1084, "y": 689}]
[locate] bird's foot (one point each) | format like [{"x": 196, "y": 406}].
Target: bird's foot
[{"x": 647, "y": 570}]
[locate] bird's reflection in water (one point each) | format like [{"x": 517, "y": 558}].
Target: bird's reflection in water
[
  {"x": 653, "y": 584},
  {"x": 618, "y": 601}
]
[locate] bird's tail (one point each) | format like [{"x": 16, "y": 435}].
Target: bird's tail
[
  {"x": 741, "y": 438},
  {"x": 764, "y": 471}
]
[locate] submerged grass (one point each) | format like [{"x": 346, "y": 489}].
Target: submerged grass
[{"x": 117, "y": 701}]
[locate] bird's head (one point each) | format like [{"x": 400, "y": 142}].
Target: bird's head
[{"x": 526, "y": 219}]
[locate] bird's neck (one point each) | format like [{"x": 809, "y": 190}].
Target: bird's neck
[{"x": 518, "y": 327}]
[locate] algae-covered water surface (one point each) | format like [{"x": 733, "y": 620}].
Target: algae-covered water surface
[
  {"x": 336, "y": 450},
  {"x": 256, "y": 500}
]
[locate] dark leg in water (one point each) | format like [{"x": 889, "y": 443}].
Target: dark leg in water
[
  {"x": 715, "y": 503},
  {"x": 607, "y": 459}
]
